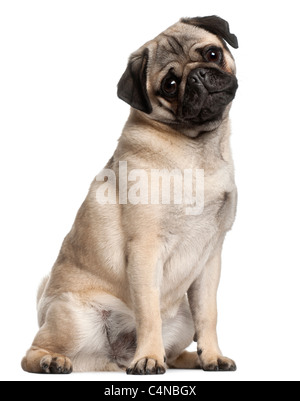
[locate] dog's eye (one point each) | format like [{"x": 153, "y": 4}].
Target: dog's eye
[
  {"x": 214, "y": 55},
  {"x": 170, "y": 86}
]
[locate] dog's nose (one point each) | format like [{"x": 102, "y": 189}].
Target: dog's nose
[{"x": 197, "y": 76}]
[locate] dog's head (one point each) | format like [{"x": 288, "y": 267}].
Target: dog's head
[{"x": 185, "y": 77}]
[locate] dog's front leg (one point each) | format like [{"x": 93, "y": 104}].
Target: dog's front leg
[
  {"x": 203, "y": 302},
  {"x": 144, "y": 272}
]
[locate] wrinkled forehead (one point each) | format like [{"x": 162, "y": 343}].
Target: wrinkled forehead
[
  {"x": 180, "y": 44},
  {"x": 187, "y": 37}
]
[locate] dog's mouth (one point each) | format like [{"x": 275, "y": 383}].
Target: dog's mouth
[{"x": 207, "y": 94}]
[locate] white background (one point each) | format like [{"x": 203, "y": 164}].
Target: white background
[{"x": 60, "y": 119}]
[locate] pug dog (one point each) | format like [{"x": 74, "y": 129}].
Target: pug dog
[{"x": 135, "y": 282}]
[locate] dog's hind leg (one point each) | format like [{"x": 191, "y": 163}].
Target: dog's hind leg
[
  {"x": 55, "y": 341},
  {"x": 72, "y": 337},
  {"x": 38, "y": 360},
  {"x": 187, "y": 360},
  {"x": 178, "y": 334},
  {"x": 82, "y": 333}
]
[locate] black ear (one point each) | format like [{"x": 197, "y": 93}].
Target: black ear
[
  {"x": 215, "y": 25},
  {"x": 132, "y": 87}
]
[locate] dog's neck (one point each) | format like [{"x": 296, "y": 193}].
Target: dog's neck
[{"x": 212, "y": 145}]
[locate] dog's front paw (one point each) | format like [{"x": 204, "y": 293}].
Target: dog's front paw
[
  {"x": 146, "y": 366},
  {"x": 216, "y": 363}
]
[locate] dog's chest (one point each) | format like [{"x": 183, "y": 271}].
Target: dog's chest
[{"x": 189, "y": 241}]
